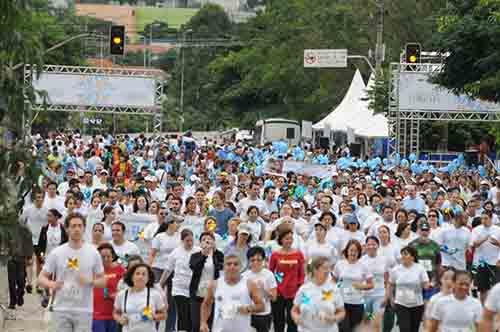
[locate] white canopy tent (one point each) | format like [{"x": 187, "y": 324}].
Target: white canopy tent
[
  {"x": 353, "y": 114},
  {"x": 375, "y": 125}
]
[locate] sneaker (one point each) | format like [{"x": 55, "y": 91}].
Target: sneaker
[
  {"x": 45, "y": 302},
  {"x": 29, "y": 289}
]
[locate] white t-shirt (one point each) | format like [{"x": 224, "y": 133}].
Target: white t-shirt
[
  {"x": 493, "y": 301},
  {"x": 245, "y": 203},
  {"x": 378, "y": 266},
  {"x": 315, "y": 302},
  {"x": 265, "y": 280},
  {"x": 126, "y": 249},
  {"x": 54, "y": 235},
  {"x": 429, "y": 307},
  {"x": 346, "y": 236},
  {"x": 315, "y": 249},
  {"x": 54, "y": 203},
  {"x": 68, "y": 264},
  {"x": 408, "y": 282},
  {"x": 486, "y": 251},
  {"x": 35, "y": 219},
  {"x": 346, "y": 274},
  {"x": 374, "y": 228},
  {"x": 164, "y": 244},
  {"x": 178, "y": 261},
  {"x": 457, "y": 315},
  {"x": 134, "y": 308},
  {"x": 457, "y": 240}
]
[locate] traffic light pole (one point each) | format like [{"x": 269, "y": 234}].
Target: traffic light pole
[{"x": 56, "y": 46}]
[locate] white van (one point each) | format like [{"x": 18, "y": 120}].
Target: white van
[{"x": 271, "y": 130}]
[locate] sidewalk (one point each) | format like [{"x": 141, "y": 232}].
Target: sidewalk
[{"x": 28, "y": 318}]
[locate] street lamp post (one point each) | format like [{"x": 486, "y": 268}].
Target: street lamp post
[
  {"x": 151, "y": 42},
  {"x": 182, "y": 77}
]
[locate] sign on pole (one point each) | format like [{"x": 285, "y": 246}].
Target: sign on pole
[{"x": 325, "y": 58}]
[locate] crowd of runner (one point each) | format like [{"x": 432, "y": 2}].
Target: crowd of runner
[{"x": 228, "y": 247}]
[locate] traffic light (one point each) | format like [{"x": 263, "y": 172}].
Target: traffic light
[
  {"x": 117, "y": 40},
  {"x": 412, "y": 53}
]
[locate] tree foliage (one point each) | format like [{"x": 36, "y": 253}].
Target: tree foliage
[{"x": 470, "y": 31}]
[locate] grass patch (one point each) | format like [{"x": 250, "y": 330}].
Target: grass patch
[{"x": 175, "y": 17}]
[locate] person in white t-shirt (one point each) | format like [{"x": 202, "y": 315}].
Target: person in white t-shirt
[
  {"x": 458, "y": 311},
  {"x": 251, "y": 199},
  {"x": 318, "y": 305},
  {"x": 123, "y": 248},
  {"x": 141, "y": 306},
  {"x": 353, "y": 278},
  {"x": 491, "y": 310},
  {"x": 266, "y": 283},
  {"x": 178, "y": 261},
  {"x": 446, "y": 282},
  {"x": 485, "y": 241},
  {"x": 408, "y": 279},
  {"x": 233, "y": 298},
  {"x": 78, "y": 268}
]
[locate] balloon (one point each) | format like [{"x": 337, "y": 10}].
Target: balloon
[
  {"x": 405, "y": 163},
  {"x": 482, "y": 171},
  {"x": 412, "y": 157},
  {"x": 298, "y": 154},
  {"x": 268, "y": 183},
  {"x": 259, "y": 170},
  {"x": 385, "y": 162},
  {"x": 280, "y": 147}
]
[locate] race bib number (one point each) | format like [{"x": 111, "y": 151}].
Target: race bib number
[
  {"x": 426, "y": 264},
  {"x": 406, "y": 296},
  {"x": 229, "y": 310},
  {"x": 72, "y": 292}
]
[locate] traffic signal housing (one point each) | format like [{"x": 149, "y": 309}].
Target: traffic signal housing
[
  {"x": 412, "y": 53},
  {"x": 117, "y": 40}
]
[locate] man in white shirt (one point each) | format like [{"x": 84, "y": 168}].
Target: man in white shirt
[
  {"x": 78, "y": 268},
  {"x": 156, "y": 193},
  {"x": 454, "y": 242},
  {"x": 485, "y": 241},
  {"x": 252, "y": 199},
  {"x": 123, "y": 248},
  {"x": 52, "y": 200},
  {"x": 35, "y": 217},
  {"x": 270, "y": 204},
  {"x": 387, "y": 220}
]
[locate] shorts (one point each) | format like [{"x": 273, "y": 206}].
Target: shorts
[
  {"x": 104, "y": 326},
  {"x": 485, "y": 277},
  {"x": 373, "y": 304},
  {"x": 72, "y": 321}
]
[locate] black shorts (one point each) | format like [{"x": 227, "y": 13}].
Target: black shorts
[{"x": 485, "y": 277}]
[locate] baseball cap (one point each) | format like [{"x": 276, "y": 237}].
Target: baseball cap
[
  {"x": 484, "y": 182},
  {"x": 350, "y": 219},
  {"x": 424, "y": 226},
  {"x": 296, "y": 205}
]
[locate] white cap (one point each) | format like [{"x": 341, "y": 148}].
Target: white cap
[
  {"x": 437, "y": 180},
  {"x": 194, "y": 178},
  {"x": 296, "y": 205},
  {"x": 484, "y": 182}
]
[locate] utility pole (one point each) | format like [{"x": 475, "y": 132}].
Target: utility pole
[
  {"x": 379, "y": 48},
  {"x": 182, "y": 77}
]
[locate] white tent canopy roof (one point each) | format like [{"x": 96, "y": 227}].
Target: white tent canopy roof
[{"x": 353, "y": 113}]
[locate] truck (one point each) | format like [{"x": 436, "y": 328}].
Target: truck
[{"x": 271, "y": 130}]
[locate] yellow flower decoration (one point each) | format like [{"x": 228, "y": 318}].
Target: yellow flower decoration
[
  {"x": 73, "y": 263},
  {"x": 327, "y": 295},
  {"x": 147, "y": 313},
  {"x": 141, "y": 235},
  {"x": 211, "y": 225}
]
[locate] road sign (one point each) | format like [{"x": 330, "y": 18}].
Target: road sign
[{"x": 325, "y": 58}]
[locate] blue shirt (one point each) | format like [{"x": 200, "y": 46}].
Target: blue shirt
[
  {"x": 222, "y": 218},
  {"x": 416, "y": 203}
]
